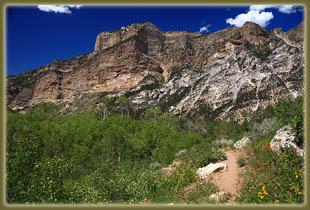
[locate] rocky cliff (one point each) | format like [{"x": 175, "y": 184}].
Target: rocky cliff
[{"x": 212, "y": 75}]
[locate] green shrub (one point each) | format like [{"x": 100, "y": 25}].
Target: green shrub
[
  {"x": 266, "y": 127},
  {"x": 241, "y": 162},
  {"x": 201, "y": 193},
  {"x": 46, "y": 107},
  {"x": 184, "y": 174},
  {"x": 204, "y": 153}
]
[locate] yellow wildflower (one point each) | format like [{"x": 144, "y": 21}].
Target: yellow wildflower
[
  {"x": 264, "y": 190},
  {"x": 260, "y": 193},
  {"x": 277, "y": 201},
  {"x": 299, "y": 193},
  {"x": 296, "y": 176},
  {"x": 261, "y": 197}
]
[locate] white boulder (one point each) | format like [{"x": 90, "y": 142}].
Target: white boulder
[
  {"x": 285, "y": 138},
  {"x": 217, "y": 196},
  {"x": 242, "y": 142},
  {"x": 209, "y": 169}
]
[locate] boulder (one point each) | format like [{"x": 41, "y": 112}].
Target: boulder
[
  {"x": 242, "y": 142},
  {"x": 167, "y": 171},
  {"x": 285, "y": 138},
  {"x": 209, "y": 169},
  {"x": 217, "y": 196}
]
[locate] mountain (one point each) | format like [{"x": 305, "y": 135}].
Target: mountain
[{"x": 214, "y": 75}]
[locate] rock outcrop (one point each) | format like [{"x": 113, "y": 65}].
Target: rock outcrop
[
  {"x": 213, "y": 75},
  {"x": 242, "y": 142},
  {"x": 285, "y": 138}
]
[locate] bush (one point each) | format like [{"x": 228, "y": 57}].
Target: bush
[
  {"x": 266, "y": 127},
  {"x": 204, "y": 153},
  {"x": 201, "y": 193},
  {"x": 241, "y": 162}
]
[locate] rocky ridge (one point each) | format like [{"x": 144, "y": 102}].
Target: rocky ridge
[{"x": 213, "y": 75}]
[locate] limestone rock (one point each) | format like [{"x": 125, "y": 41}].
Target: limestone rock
[
  {"x": 242, "y": 142},
  {"x": 214, "y": 76},
  {"x": 209, "y": 169},
  {"x": 217, "y": 196},
  {"x": 285, "y": 138}
]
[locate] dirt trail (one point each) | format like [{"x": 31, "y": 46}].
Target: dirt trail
[{"x": 228, "y": 180}]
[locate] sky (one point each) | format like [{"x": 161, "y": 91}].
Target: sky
[{"x": 38, "y": 35}]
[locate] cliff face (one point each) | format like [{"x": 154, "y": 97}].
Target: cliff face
[{"x": 214, "y": 75}]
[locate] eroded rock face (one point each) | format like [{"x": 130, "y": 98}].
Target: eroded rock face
[
  {"x": 253, "y": 33},
  {"x": 285, "y": 138},
  {"x": 217, "y": 75}
]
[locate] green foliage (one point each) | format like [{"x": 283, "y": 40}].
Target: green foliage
[
  {"x": 201, "y": 193},
  {"x": 46, "y": 107},
  {"x": 86, "y": 158},
  {"x": 46, "y": 182},
  {"x": 267, "y": 126},
  {"x": 288, "y": 111},
  {"x": 202, "y": 154},
  {"x": 241, "y": 162},
  {"x": 261, "y": 51},
  {"x": 184, "y": 174},
  {"x": 39, "y": 140}
]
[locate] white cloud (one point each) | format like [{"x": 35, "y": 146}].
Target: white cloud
[
  {"x": 256, "y": 16},
  {"x": 58, "y": 8},
  {"x": 287, "y": 9},
  {"x": 204, "y": 29}
]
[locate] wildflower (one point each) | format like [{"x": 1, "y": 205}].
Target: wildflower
[
  {"x": 299, "y": 193},
  {"x": 277, "y": 201},
  {"x": 261, "y": 197},
  {"x": 264, "y": 190},
  {"x": 260, "y": 193}
]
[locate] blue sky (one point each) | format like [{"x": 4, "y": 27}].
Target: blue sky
[{"x": 37, "y": 35}]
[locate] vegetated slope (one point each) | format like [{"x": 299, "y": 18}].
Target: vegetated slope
[
  {"x": 90, "y": 158},
  {"x": 210, "y": 75}
]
